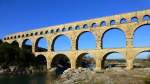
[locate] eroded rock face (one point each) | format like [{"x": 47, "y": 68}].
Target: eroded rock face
[
  {"x": 75, "y": 76},
  {"x": 110, "y": 76}
]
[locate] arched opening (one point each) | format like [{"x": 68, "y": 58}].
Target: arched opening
[
  {"x": 94, "y": 25},
  {"x": 123, "y": 21},
  {"x": 41, "y": 45},
  {"x": 15, "y": 43},
  {"x": 85, "y": 26},
  {"x": 114, "y": 38},
  {"x": 85, "y": 60},
  {"x": 61, "y": 62},
  {"x": 86, "y": 40},
  {"x": 41, "y": 63},
  {"x": 61, "y": 43},
  {"x": 140, "y": 36},
  {"x": 134, "y": 19},
  {"x": 77, "y": 27},
  {"x": 113, "y": 59},
  {"x": 64, "y": 29},
  {"x": 70, "y": 28},
  {"x": 146, "y": 18},
  {"x": 112, "y": 22},
  {"x": 58, "y": 30},
  {"x": 27, "y": 44},
  {"x": 142, "y": 60},
  {"x": 103, "y": 23}
]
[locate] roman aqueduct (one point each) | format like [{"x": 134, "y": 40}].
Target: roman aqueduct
[{"x": 127, "y": 23}]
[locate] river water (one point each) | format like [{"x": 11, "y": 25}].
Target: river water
[{"x": 40, "y": 78}]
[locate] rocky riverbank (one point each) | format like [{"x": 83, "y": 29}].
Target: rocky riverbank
[{"x": 109, "y": 76}]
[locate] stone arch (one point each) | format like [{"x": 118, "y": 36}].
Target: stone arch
[
  {"x": 65, "y": 44},
  {"x": 64, "y": 29},
  {"x": 85, "y": 26},
  {"x": 31, "y": 34},
  {"x": 36, "y": 33},
  {"x": 15, "y": 43},
  {"x": 134, "y": 19},
  {"x": 58, "y": 30},
  {"x": 142, "y": 59},
  {"x": 122, "y": 37},
  {"x": 112, "y": 22},
  {"x": 86, "y": 60},
  {"x": 41, "y": 62},
  {"x": 103, "y": 23},
  {"x": 52, "y": 31},
  {"x": 18, "y": 36},
  {"x": 27, "y": 44},
  {"x": 46, "y": 32},
  {"x": 91, "y": 37},
  {"x": 41, "y": 33},
  {"x": 123, "y": 21},
  {"x": 39, "y": 45},
  {"x": 94, "y": 25},
  {"x": 61, "y": 62},
  {"x": 146, "y": 17},
  {"x": 77, "y": 27},
  {"x": 23, "y": 36},
  {"x": 113, "y": 60},
  {"x": 70, "y": 28},
  {"x": 138, "y": 39}
]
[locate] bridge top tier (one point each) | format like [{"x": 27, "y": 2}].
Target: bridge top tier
[{"x": 101, "y": 22}]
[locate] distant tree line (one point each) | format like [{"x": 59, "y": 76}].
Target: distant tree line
[{"x": 13, "y": 55}]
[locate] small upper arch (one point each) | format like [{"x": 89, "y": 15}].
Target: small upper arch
[
  {"x": 103, "y": 23},
  {"x": 146, "y": 17},
  {"x": 123, "y": 21},
  {"x": 77, "y": 27},
  {"x": 134, "y": 19},
  {"x": 112, "y": 22},
  {"x": 85, "y": 26},
  {"x": 94, "y": 25}
]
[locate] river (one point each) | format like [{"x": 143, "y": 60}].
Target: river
[{"x": 40, "y": 78}]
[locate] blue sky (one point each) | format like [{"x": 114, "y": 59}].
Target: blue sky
[{"x": 22, "y": 15}]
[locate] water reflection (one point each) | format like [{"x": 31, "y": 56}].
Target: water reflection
[{"x": 40, "y": 78}]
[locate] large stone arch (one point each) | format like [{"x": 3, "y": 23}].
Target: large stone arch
[
  {"x": 141, "y": 59},
  {"x": 15, "y": 43},
  {"x": 60, "y": 58},
  {"x": 41, "y": 62},
  {"x": 135, "y": 31},
  {"x": 111, "y": 29},
  {"x": 24, "y": 45},
  {"x": 37, "y": 49},
  {"x": 82, "y": 61},
  {"x": 109, "y": 53},
  {"x": 82, "y": 33},
  {"x": 56, "y": 37}
]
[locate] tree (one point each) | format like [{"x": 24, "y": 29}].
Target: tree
[{"x": 1, "y": 41}]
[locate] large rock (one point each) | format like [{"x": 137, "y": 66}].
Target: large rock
[{"x": 76, "y": 76}]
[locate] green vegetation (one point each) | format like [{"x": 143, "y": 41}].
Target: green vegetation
[{"x": 12, "y": 55}]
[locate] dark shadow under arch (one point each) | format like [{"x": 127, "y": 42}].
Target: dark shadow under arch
[
  {"x": 61, "y": 62},
  {"x": 85, "y": 60},
  {"x": 15, "y": 43},
  {"x": 41, "y": 62}
]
